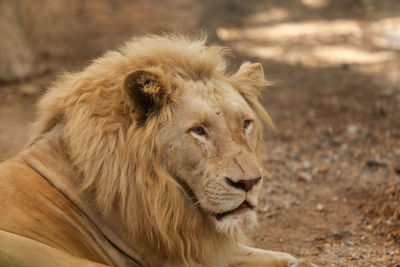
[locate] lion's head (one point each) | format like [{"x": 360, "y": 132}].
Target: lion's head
[{"x": 161, "y": 131}]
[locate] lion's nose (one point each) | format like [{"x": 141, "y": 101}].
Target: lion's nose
[{"x": 245, "y": 185}]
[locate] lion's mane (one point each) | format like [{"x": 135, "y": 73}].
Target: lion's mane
[{"x": 120, "y": 160}]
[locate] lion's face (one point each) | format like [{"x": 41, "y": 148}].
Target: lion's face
[
  {"x": 210, "y": 142},
  {"x": 212, "y": 151}
]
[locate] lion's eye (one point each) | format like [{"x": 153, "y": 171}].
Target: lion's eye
[
  {"x": 199, "y": 131},
  {"x": 247, "y": 124}
]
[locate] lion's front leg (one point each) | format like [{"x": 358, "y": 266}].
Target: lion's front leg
[{"x": 253, "y": 257}]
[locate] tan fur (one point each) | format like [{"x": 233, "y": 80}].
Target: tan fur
[
  {"x": 122, "y": 162},
  {"x": 101, "y": 141}
]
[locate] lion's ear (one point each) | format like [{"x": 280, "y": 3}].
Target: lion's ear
[
  {"x": 248, "y": 81},
  {"x": 145, "y": 91},
  {"x": 252, "y": 74}
]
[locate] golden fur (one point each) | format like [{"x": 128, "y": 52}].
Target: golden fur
[{"x": 109, "y": 146}]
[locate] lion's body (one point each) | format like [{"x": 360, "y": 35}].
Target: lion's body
[
  {"x": 26, "y": 192},
  {"x": 150, "y": 157},
  {"x": 41, "y": 201}
]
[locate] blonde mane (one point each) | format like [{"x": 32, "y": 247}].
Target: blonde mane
[{"x": 120, "y": 160}]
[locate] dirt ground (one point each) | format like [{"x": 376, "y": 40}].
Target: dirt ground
[{"x": 332, "y": 192}]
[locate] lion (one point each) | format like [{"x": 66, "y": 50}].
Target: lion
[{"x": 150, "y": 156}]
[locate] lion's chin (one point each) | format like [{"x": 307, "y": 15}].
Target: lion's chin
[{"x": 235, "y": 223}]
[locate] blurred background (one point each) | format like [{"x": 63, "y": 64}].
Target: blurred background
[{"x": 332, "y": 191}]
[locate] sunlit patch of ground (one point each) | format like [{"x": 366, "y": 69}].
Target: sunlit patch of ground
[
  {"x": 367, "y": 45},
  {"x": 315, "y": 3}
]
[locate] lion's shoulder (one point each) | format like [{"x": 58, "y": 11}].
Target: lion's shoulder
[
  {"x": 17, "y": 250},
  {"x": 33, "y": 208}
]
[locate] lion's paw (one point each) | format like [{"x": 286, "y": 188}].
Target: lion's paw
[{"x": 301, "y": 263}]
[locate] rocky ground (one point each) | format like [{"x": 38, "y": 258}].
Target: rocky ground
[{"x": 332, "y": 188}]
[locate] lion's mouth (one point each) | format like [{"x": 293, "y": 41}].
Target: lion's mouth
[{"x": 243, "y": 206}]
